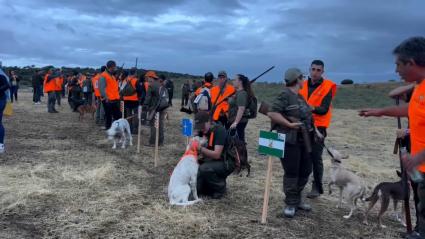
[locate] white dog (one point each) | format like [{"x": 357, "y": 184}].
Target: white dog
[
  {"x": 183, "y": 178},
  {"x": 346, "y": 181},
  {"x": 120, "y": 132}
]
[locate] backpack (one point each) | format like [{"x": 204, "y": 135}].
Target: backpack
[
  {"x": 235, "y": 151},
  {"x": 163, "y": 99},
  {"x": 203, "y": 101},
  {"x": 251, "y": 109}
]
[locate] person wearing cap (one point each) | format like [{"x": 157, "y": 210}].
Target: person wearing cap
[
  {"x": 109, "y": 92},
  {"x": 213, "y": 170},
  {"x": 220, "y": 95},
  {"x": 290, "y": 113},
  {"x": 151, "y": 104},
  {"x": 319, "y": 93}
]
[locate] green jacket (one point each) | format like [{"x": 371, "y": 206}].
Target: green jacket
[{"x": 152, "y": 95}]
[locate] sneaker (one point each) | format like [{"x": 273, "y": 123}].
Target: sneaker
[
  {"x": 289, "y": 211},
  {"x": 1, "y": 148}
]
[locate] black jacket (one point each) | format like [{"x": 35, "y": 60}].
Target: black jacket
[{"x": 4, "y": 86}]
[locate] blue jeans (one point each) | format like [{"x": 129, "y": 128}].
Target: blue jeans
[{"x": 2, "y": 106}]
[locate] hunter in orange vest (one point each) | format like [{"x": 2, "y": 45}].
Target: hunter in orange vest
[
  {"x": 318, "y": 93},
  {"x": 109, "y": 92},
  {"x": 410, "y": 65},
  {"x": 220, "y": 95},
  {"x": 50, "y": 88}
]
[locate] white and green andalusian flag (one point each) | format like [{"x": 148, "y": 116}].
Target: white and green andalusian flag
[{"x": 272, "y": 144}]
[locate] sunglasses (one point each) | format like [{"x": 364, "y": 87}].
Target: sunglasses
[
  {"x": 316, "y": 69},
  {"x": 221, "y": 76}
]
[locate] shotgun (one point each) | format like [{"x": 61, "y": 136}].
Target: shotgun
[
  {"x": 253, "y": 80},
  {"x": 404, "y": 179}
]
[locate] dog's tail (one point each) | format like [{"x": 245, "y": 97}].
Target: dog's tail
[
  {"x": 374, "y": 194},
  {"x": 188, "y": 203}
]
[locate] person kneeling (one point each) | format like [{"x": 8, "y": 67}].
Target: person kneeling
[{"x": 213, "y": 169}]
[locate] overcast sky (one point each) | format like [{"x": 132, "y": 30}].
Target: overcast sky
[{"x": 353, "y": 38}]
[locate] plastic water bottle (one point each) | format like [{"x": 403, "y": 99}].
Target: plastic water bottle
[{"x": 414, "y": 174}]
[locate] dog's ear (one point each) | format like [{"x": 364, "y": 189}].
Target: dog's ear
[{"x": 398, "y": 173}]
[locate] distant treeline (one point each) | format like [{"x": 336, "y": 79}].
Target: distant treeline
[{"x": 27, "y": 72}]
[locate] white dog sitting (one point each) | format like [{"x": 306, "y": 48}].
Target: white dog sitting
[
  {"x": 120, "y": 132},
  {"x": 183, "y": 178}
]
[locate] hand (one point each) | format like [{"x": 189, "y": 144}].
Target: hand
[
  {"x": 233, "y": 126},
  {"x": 295, "y": 125},
  {"x": 370, "y": 112},
  {"x": 401, "y": 133}
]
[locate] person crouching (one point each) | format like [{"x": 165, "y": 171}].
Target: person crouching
[{"x": 213, "y": 169}]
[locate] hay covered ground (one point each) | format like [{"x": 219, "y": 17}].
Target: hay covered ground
[{"x": 61, "y": 179}]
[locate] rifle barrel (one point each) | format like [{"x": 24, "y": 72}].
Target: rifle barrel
[{"x": 253, "y": 80}]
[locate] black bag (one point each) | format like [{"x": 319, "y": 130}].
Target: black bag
[
  {"x": 251, "y": 109},
  {"x": 163, "y": 102},
  {"x": 235, "y": 151}
]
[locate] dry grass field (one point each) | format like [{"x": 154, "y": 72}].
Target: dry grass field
[{"x": 61, "y": 179}]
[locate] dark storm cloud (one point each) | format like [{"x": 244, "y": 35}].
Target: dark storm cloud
[{"x": 354, "y": 38}]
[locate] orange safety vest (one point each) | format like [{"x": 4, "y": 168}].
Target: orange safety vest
[
  {"x": 220, "y": 101},
  {"x": 59, "y": 82},
  {"x": 49, "y": 86},
  {"x": 133, "y": 81},
  {"x": 417, "y": 121},
  {"x": 207, "y": 85},
  {"x": 95, "y": 84},
  {"x": 316, "y": 99},
  {"x": 112, "y": 88}
]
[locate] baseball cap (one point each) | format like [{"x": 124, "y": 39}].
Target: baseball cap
[
  {"x": 151, "y": 74},
  {"x": 292, "y": 74},
  {"x": 201, "y": 118}
]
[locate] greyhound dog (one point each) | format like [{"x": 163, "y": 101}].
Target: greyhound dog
[
  {"x": 347, "y": 182},
  {"x": 120, "y": 132},
  {"x": 183, "y": 179},
  {"x": 386, "y": 191}
]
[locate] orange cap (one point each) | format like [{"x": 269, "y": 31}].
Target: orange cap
[{"x": 151, "y": 74}]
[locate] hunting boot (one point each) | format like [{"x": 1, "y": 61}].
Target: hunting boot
[
  {"x": 292, "y": 199},
  {"x": 314, "y": 193},
  {"x": 301, "y": 185}
]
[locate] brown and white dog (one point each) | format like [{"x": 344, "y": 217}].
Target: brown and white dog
[
  {"x": 386, "y": 191},
  {"x": 86, "y": 109}
]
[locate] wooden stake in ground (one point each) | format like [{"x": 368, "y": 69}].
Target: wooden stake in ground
[
  {"x": 122, "y": 108},
  {"x": 139, "y": 129},
  {"x": 273, "y": 145},
  {"x": 267, "y": 190},
  {"x": 156, "y": 139}
]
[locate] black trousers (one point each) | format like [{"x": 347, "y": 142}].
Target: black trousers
[
  {"x": 131, "y": 108},
  {"x": 240, "y": 129},
  {"x": 421, "y": 207},
  {"x": 296, "y": 165},
  {"x": 112, "y": 112},
  {"x": 316, "y": 158},
  {"x": 185, "y": 99},
  {"x": 212, "y": 177}
]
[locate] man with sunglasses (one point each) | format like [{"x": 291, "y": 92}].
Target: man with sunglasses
[
  {"x": 318, "y": 92},
  {"x": 220, "y": 95}
]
